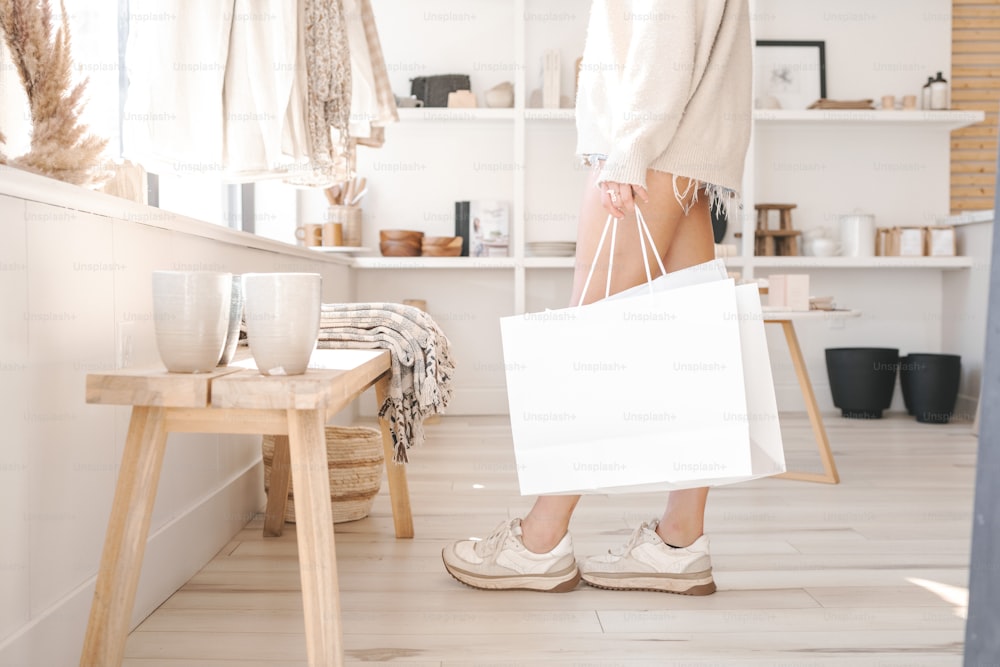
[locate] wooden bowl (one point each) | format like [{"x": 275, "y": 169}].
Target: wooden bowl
[
  {"x": 398, "y": 249},
  {"x": 441, "y": 240},
  {"x": 442, "y": 251},
  {"x": 400, "y": 235}
]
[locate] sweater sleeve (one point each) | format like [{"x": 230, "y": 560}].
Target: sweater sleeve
[{"x": 655, "y": 84}]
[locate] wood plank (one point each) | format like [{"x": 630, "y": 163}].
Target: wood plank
[
  {"x": 215, "y": 420},
  {"x": 314, "y": 531},
  {"x": 125, "y": 540},
  {"x": 153, "y": 387},
  {"x": 329, "y": 388},
  {"x": 396, "y": 472},
  {"x": 277, "y": 493}
]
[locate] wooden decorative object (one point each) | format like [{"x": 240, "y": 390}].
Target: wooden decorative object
[{"x": 782, "y": 241}]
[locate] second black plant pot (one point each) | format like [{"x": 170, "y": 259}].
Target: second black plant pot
[
  {"x": 862, "y": 379},
  {"x": 930, "y": 385}
]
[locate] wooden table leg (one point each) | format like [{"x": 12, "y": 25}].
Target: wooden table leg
[
  {"x": 314, "y": 531},
  {"x": 399, "y": 490},
  {"x": 830, "y": 475},
  {"x": 277, "y": 492},
  {"x": 125, "y": 542}
]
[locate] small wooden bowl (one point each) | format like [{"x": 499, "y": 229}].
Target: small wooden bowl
[
  {"x": 400, "y": 235},
  {"x": 441, "y": 240},
  {"x": 397, "y": 249},
  {"x": 443, "y": 251}
]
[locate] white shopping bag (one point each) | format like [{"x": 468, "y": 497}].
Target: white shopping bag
[{"x": 666, "y": 386}]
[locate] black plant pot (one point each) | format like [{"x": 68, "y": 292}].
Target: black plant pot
[
  {"x": 930, "y": 385},
  {"x": 862, "y": 379},
  {"x": 905, "y": 386}
]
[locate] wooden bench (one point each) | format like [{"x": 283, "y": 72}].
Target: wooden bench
[{"x": 238, "y": 400}]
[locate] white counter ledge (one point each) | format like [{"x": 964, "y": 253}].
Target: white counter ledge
[{"x": 32, "y": 187}]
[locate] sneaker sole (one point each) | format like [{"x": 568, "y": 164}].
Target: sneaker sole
[
  {"x": 697, "y": 583},
  {"x": 553, "y": 582}
]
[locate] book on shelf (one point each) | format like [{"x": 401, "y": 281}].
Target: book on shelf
[
  {"x": 490, "y": 228},
  {"x": 462, "y": 225},
  {"x": 550, "y": 80}
]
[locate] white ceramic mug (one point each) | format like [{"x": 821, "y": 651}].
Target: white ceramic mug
[
  {"x": 857, "y": 235},
  {"x": 190, "y": 317},
  {"x": 235, "y": 319},
  {"x": 282, "y": 315}
]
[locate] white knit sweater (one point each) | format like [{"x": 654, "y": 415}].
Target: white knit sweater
[{"x": 667, "y": 86}]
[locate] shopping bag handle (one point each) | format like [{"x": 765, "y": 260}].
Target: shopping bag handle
[{"x": 644, "y": 234}]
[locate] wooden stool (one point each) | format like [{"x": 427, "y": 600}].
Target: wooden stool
[
  {"x": 235, "y": 399},
  {"x": 782, "y": 241}
]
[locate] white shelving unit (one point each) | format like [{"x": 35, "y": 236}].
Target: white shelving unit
[{"x": 892, "y": 164}]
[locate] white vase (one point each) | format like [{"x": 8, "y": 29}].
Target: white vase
[{"x": 500, "y": 96}]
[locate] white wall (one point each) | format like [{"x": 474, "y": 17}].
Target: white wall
[
  {"x": 873, "y": 47},
  {"x": 966, "y": 302},
  {"x": 76, "y": 291}
]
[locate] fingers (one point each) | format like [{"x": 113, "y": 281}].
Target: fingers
[
  {"x": 619, "y": 198},
  {"x": 611, "y": 200}
]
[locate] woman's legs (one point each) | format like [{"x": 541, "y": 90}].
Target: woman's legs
[{"x": 682, "y": 240}]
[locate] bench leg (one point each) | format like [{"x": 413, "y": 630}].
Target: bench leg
[
  {"x": 399, "y": 490},
  {"x": 830, "y": 474},
  {"x": 125, "y": 542},
  {"x": 277, "y": 493},
  {"x": 314, "y": 531}
]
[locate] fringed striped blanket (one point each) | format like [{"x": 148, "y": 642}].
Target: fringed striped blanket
[{"x": 422, "y": 366}]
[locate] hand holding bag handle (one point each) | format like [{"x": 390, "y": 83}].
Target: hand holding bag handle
[{"x": 644, "y": 234}]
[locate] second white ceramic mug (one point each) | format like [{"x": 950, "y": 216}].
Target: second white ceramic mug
[{"x": 282, "y": 315}]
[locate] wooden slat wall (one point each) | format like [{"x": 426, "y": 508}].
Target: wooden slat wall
[{"x": 975, "y": 84}]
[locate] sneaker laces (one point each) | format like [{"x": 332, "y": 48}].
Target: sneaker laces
[
  {"x": 490, "y": 544},
  {"x": 634, "y": 539}
]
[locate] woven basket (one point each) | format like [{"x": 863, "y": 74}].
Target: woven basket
[{"x": 354, "y": 457}]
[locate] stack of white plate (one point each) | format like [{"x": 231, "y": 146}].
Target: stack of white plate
[{"x": 550, "y": 249}]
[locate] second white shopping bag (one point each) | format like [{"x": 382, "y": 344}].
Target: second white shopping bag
[{"x": 645, "y": 391}]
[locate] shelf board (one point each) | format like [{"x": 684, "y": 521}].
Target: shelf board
[
  {"x": 570, "y": 262},
  {"x": 550, "y": 114},
  {"x": 950, "y": 119},
  {"x": 863, "y": 262},
  {"x": 549, "y": 262},
  {"x": 479, "y": 263},
  {"x": 407, "y": 114},
  {"x": 434, "y": 263}
]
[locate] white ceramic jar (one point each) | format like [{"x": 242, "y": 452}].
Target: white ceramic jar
[{"x": 857, "y": 235}]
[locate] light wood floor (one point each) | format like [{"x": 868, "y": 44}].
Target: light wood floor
[{"x": 870, "y": 572}]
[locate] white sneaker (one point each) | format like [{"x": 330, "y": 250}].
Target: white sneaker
[
  {"x": 646, "y": 563},
  {"x": 502, "y": 562}
]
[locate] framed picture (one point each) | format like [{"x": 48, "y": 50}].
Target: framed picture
[{"x": 788, "y": 74}]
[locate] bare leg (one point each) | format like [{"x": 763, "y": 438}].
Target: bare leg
[
  {"x": 682, "y": 240},
  {"x": 683, "y": 520}
]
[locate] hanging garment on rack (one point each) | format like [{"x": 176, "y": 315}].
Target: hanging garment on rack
[
  {"x": 260, "y": 85},
  {"x": 176, "y": 66},
  {"x": 328, "y": 70},
  {"x": 252, "y": 89},
  {"x": 372, "y": 102},
  {"x": 213, "y": 89}
]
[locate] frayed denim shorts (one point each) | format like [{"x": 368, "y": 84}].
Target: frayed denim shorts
[{"x": 721, "y": 199}]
